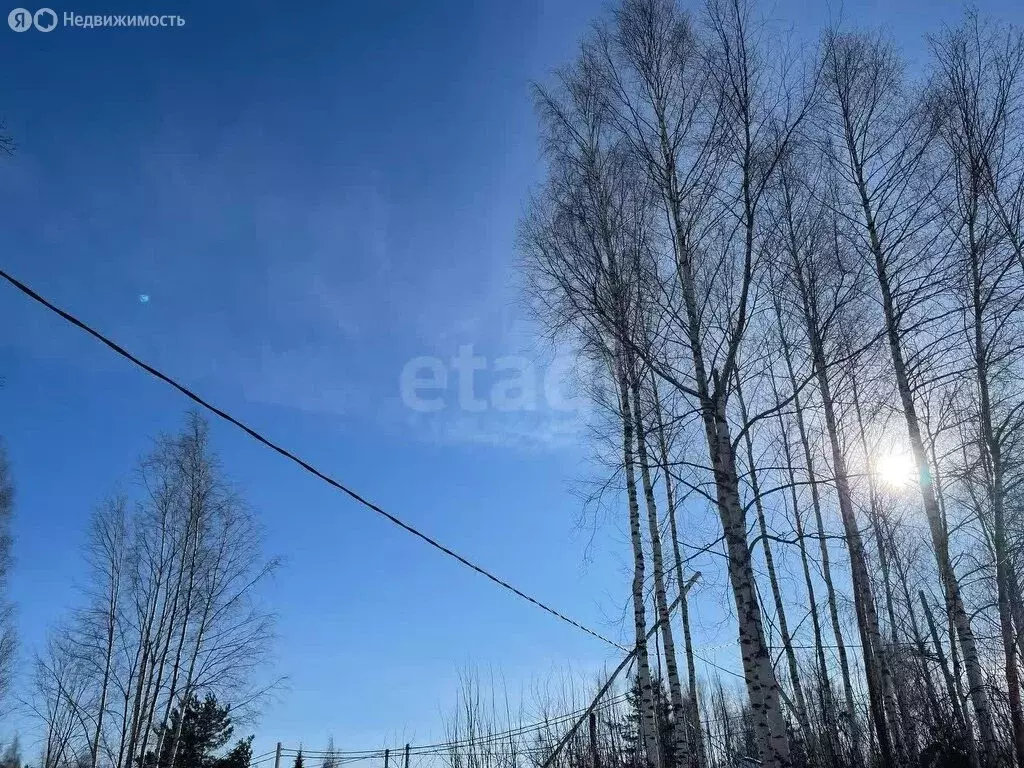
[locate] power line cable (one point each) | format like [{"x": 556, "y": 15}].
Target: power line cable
[
  {"x": 32, "y": 294},
  {"x": 294, "y": 458},
  {"x": 719, "y": 667},
  {"x": 344, "y": 757},
  {"x": 484, "y": 739}
]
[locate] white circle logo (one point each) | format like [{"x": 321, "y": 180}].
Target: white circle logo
[
  {"x": 20, "y": 19},
  {"x": 45, "y": 20}
]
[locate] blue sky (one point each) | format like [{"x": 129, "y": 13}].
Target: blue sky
[{"x": 311, "y": 196}]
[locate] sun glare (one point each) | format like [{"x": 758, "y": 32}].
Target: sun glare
[{"x": 896, "y": 469}]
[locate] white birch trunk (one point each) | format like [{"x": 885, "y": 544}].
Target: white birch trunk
[
  {"x": 648, "y": 721},
  {"x": 660, "y": 597}
]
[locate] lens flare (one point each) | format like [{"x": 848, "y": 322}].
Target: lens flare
[{"x": 896, "y": 469}]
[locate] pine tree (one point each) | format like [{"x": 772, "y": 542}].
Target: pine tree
[
  {"x": 206, "y": 730},
  {"x": 298, "y": 759},
  {"x": 239, "y": 756},
  {"x": 629, "y": 729}
]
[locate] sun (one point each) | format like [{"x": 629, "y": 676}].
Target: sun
[{"x": 896, "y": 469}]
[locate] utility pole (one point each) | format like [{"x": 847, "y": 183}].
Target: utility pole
[{"x": 277, "y": 756}]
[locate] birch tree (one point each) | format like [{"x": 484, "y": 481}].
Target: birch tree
[
  {"x": 704, "y": 116},
  {"x": 582, "y": 244},
  {"x": 976, "y": 83},
  {"x": 8, "y": 637},
  {"x": 170, "y": 612},
  {"x": 880, "y": 137}
]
